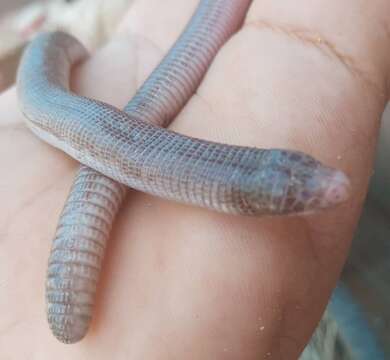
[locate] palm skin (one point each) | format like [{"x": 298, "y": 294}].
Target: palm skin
[{"x": 186, "y": 283}]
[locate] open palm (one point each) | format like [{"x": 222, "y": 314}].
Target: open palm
[{"x": 187, "y": 283}]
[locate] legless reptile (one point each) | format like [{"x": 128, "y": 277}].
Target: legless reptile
[{"x": 131, "y": 148}]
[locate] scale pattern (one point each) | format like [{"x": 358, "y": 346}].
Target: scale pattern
[
  {"x": 129, "y": 147},
  {"x": 94, "y": 200}
]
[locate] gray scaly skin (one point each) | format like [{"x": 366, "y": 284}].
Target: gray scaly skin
[
  {"x": 94, "y": 200},
  {"x": 128, "y": 148}
]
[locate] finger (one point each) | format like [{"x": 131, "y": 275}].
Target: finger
[{"x": 145, "y": 35}]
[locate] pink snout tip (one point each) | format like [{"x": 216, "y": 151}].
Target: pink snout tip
[{"x": 338, "y": 190}]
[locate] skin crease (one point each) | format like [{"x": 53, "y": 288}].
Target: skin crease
[{"x": 186, "y": 283}]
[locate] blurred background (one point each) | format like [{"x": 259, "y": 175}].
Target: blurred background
[
  {"x": 367, "y": 270},
  {"x": 6, "y": 5}
]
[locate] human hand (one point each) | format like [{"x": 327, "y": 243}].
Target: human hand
[{"x": 182, "y": 282}]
